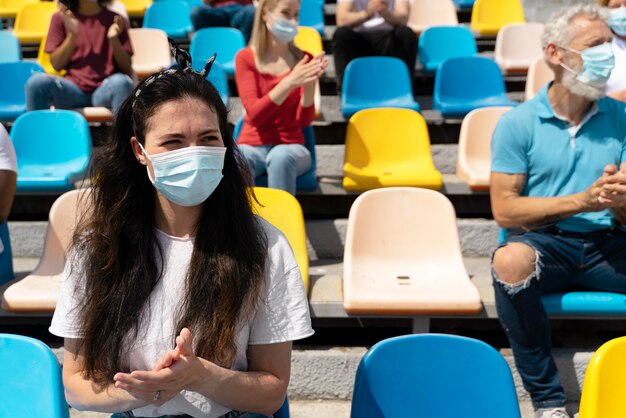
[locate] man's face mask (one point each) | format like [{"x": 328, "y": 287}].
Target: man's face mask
[{"x": 598, "y": 62}]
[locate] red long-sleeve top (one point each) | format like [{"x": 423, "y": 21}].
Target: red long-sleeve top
[{"x": 265, "y": 122}]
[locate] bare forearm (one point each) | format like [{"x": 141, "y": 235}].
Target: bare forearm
[
  {"x": 396, "y": 19},
  {"x": 351, "y": 19},
  {"x": 532, "y": 212},
  {"x": 121, "y": 56},
  {"x": 61, "y": 56},
  {"x": 281, "y": 91},
  {"x": 308, "y": 95},
  {"x": 83, "y": 395},
  {"x": 620, "y": 214}
]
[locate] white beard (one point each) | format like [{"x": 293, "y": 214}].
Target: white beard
[{"x": 581, "y": 89}]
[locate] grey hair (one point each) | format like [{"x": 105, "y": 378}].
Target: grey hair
[{"x": 558, "y": 28}]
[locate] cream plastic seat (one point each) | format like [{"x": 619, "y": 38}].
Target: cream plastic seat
[
  {"x": 119, "y": 8},
  {"x": 474, "y": 155},
  {"x": 426, "y": 13},
  {"x": 518, "y": 45},
  {"x": 39, "y": 291},
  {"x": 539, "y": 74},
  {"x": 96, "y": 113},
  {"x": 151, "y": 51},
  {"x": 403, "y": 256}
]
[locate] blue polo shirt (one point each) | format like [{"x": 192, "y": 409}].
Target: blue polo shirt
[{"x": 558, "y": 158}]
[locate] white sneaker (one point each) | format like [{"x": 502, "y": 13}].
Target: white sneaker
[{"x": 551, "y": 413}]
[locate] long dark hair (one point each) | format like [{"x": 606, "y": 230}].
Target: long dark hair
[
  {"x": 73, "y": 4},
  {"x": 121, "y": 256}
]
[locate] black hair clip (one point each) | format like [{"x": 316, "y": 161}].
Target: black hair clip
[{"x": 183, "y": 59}]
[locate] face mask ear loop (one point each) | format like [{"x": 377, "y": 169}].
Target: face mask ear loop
[{"x": 149, "y": 159}]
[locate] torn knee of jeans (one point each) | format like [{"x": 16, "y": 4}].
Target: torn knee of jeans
[{"x": 514, "y": 288}]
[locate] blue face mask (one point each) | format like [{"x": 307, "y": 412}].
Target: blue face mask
[
  {"x": 617, "y": 21},
  {"x": 189, "y": 175},
  {"x": 598, "y": 62},
  {"x": 283, "y": 30}
]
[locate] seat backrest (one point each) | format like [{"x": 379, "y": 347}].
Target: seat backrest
[
  {"x": 13, "y": 78},
  {"x": 150, "y": 50},
  {"x": 119, "y": 7},
  {"x": 390, "y": 73},
  {"x": 6, "y": 257},
  {"x": 433, "y": 375},
  {"x": 51, "y": 137},
  {"x": 312, "y": 14},
  {"x": 605, "y": 385},
  {"x": 309, "y": 40},
  {"x": 439, "y": 43},
  {"x": 15, "y": 4},
  {"x": 31, "y": 379},
  {"x": 539, "y": 74},
  {"x": 426, "y": 13},
  {"x": 170, "y": 15},
  {"x": 43, "y": 58},
  {"x": 496, "y": 13},
  {"x": 35, "y": 17},
  {"x": 282, "y": 210},
  {"x": 520, "y": 42},
  {"x": 225, "y": 42},
  {"x": 10, "y": 50},
  {"x": 469, "y": 78}
]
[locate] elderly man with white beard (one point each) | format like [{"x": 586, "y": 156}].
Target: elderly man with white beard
[{"x": 558, "y": 187}]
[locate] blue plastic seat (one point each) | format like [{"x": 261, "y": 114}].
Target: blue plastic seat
[
  {"x": 304, "y": 182},
  {"x": 31, "y": 379},
  {"x": 439, "y": 43},
  {"x": 6, "y": 258},
  {"x": 13, "y": 78},
  {"x": 312, "y": 15},
  {"x": 464, "y": 4},
  {"x": 171, "y": 16},
  {"x": 10, "y": 50},
  {"x": 53, "y": 148},
  {"x": 433, "y": 375},
  {"x": 226, "y": 42},
  {"x": 371, "y": 82},
  {"x": 465, "y": 84}
]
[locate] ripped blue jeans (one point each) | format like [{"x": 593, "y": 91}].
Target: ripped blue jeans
[{"x": 565, "y": 261}]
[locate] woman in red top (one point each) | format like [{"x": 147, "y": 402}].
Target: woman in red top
[{"x": 276, "y": 83}]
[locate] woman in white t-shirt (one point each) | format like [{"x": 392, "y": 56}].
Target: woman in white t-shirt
[
  {"x": 176, "y": 299},
  {"x": 616, "y": 86}
]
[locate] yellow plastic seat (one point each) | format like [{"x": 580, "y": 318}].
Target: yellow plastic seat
[
  {"x": 539, "y": 74},
  {"x": 518, "y": 45},
  {"x": 284, "y": 212},
  {"x": 9, "y": 8},
  {"x": 388, "y": 147},
  {"x": 488, "y": 16},
  {"x": 309, "y": 40},
  {"x": 605, "y": 382},
  {"x": 474, "y": 155},
  {"x": 403, "y": 256},
  {"x": 43, "y": 58},
  {"x": 33, "y": 20},
  {"x": 39, "y": 291},
  {"x": 427, "y": 13},
  {"x": 136, "y": 8},
  {"x": 151, "y": 51}
]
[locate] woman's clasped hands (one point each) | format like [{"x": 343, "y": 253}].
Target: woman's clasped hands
[{"x": 308, "y": 70}]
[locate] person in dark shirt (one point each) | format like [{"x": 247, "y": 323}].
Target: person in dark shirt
[{"x": 224, "y": 13}]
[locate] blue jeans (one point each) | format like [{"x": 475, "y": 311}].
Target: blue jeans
[
  {"x": 283, "y": 163},
  {"x": 44, "y": 90},
  {"x": 230, "y": 15},
  {"x": 231, "y": 414},
  {"x": 565, "y": 261}
]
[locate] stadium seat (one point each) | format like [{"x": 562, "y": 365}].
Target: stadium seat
[
  {"x": 172, "y": 17},
  {"x": 304, "y": 182},
  {"x": 518, "y": 45},
  {"x": 474, "y": 154},
  {"x": 136, "y": 8},
  {"x": 312, "y": 15},
  {"x": 464, "y": 4},
  {"x": 32, "y": 21},
  {"x": 96, "y": 114},
  {"x": 6, "y": 256},
  {"x": 10, "y": 49},
  {"x": 226, "y": 42},
  {"x": 284, "y": 212},
  {"x": 151, "y": 51},
  {"x": 403, "y": 257},
  {"x": 9, "y": 8},
  {"x": 386, "y": 148},
  {"x": 39, "y": 291},
  {"x": 488, "y": 16},
  {"x": 468, "y": 83},
  {"x": 439, "y": 43},
  {"x": 539, "y": 74},
  {"x": 605, "y": 383},
  {"x": 53, "y": 148},
  {"x": 433, "y": 375},
  {"x": 309, "y": 40},
  {"x": 31, "y": 379},
  {"x": 372, "y": 82},
  {"x": 119, "y": 7},
  {"x": 43, "y": 58},
  {"x": 428, "y": 13},
  {"x": 13, "y": 78}
]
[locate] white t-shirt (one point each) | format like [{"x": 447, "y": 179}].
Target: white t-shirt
[
  {"x": 8, "y": 161},
  {"x": 376, "y": 22},
  {"x": 282, "y": 314},
  {"x": 617, "y": 81}
]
